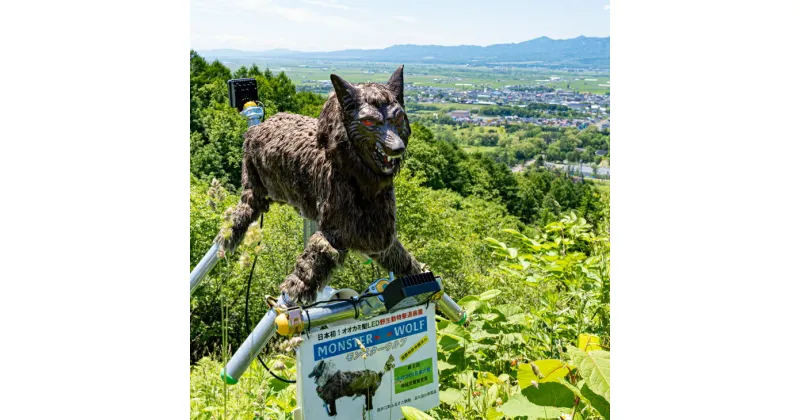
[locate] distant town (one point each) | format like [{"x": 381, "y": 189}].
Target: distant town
[{"x": 591, "y": 109}]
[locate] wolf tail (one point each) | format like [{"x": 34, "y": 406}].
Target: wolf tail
[{"x": 389, "y": 364}]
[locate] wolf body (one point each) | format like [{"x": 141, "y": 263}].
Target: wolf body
[
  {"x": 333, "y": 384},
  {"x": 337, "y": 170}
]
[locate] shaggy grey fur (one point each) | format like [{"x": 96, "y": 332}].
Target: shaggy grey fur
[
  {"x": 337, "y": 170},
  {"x": 334, "y": 384}
]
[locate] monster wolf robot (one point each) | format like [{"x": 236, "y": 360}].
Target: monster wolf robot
[
  {"x": 333, "y": 384},
  {"x": 337, "y": 170}
]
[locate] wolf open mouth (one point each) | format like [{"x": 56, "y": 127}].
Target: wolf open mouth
[{"x": 385, "y": 163}]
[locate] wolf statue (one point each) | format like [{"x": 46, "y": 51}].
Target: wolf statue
[
  {"x": 337, "y": 170},
  {"x": 333, "y": 384}
]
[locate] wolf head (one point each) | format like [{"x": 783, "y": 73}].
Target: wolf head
[
  {"x": 321, "y": 372},
  {"x": 375, "y": 121}
]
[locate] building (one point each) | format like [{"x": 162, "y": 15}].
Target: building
[{"x": 460, "y": 114}]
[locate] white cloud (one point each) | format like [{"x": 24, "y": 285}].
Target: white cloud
[
  {"x": 296, "y": 14},
  {"x": 407, "y": 19},
  {"x": 607, "y": 7},
  {"x": 333, "y": 4},
  {"x": 208, "y": 42}
]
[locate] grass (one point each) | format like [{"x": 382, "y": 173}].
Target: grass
[{"x": 601, "y": 184}]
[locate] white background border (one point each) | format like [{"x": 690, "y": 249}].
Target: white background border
[{"x": 95, "y": 209}]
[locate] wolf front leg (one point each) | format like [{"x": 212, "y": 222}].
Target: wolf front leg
[
  {"x": 398, "y": 260},
  {"x": 313, "y": 268}
]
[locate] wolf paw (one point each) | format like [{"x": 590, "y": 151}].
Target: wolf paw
[{"x": 298, "y": 291}]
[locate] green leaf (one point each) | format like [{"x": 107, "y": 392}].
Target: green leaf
[
  {"x": 442, "y": 365},
  {"x": 525, "y": 375},
  {"x": 552, "y": 370},
  {"x": 411, "y": 413},
  {"x": 449, "y": 342},
  {"x": 489, "y": 294},
  {"x": 549, "y": 401},
  {"x": 597, "y": 402},
  {"x": 472, "y": 304},
  {"x": 588, "y": 342},
  {"x": 509, "y": 310},
  {"x": 465, "y": 378},
  {"x": 493, "y": 414},
  {"x": 449, "y": 396},
  {"x": 595, "y": 368},
  {"x": 488, "y": 378},
  {"x": 455, "y": 330},
  {"x": 575, "y": 391}
]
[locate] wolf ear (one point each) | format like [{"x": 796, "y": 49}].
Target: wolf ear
[
  {"x": 345, "y": 92},
  {"x": 396, "y": 84}
]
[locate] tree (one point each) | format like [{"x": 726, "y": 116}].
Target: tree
[
  {"x": 281, "y": 91},
  {"x": 309, "y": 103}
]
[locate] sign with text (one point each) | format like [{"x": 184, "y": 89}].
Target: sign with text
[{"x": 370, "y": 368}]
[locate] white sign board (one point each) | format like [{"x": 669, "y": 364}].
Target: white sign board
[{"x": 335, "y": 381}]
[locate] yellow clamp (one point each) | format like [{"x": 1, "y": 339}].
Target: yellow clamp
[{"x": 290, "y": 323}]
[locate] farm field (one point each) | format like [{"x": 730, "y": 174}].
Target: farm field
[{"x": 446, "y": 76}]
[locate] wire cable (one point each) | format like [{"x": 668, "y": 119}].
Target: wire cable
[{"x": 247, "y": 316}]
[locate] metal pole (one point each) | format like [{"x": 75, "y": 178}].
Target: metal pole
[
  {"x": 309, "y": 227},
  {"x": 252, "y": 346},
  {"x": 450, "y": 309},
  {"x": 253, "y": 113},
  {"x": 203, "y": 267}
]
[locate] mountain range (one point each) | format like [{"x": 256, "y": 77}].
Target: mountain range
[{"x": 575, "y": 52}]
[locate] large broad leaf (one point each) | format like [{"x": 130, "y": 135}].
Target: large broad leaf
[
  {"x": 549, "y": 401},
  {"x": 487, "y": 333},
  {"x": 455, "y": 331},
  {"x": 509, "y": 310},
  {"x": 595, "y": 368},
  {"x": 493, "y": 414},
  {"x": 588, "y": 342},
  {"x": 489, "y": 294},
  {"x": 411, "y": 413},
  {"x": 449, "y": 396},
  {"x": 472, "y": 304},
  {"x": 450, "y": 343},
  {"x": 442, "y": 365},
  {"x": 552, "y": 370},
  {"x": 526, "y": 376},
  {"x": 597, "y": 402}
]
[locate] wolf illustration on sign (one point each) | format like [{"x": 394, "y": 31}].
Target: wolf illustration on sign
[
  {"x": 333, "y": 384},
  {"x": 337, "y": 170}
]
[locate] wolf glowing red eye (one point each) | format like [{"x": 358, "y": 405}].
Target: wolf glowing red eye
[{"x": 368, "y": 123}]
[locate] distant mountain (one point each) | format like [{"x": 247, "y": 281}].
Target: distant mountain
[{"x": 576, "y": 52}]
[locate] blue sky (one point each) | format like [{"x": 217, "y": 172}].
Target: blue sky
[{"x": 326, "y": 25}]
